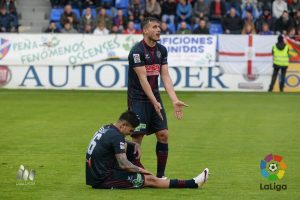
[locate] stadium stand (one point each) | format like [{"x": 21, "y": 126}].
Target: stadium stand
[{"x": 34, "y": 16}]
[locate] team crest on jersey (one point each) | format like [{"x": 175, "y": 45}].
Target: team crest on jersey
[
  {"x": 122, "y": 145},
  {"x": 147, "y": 57},
  {"x": 158, "y": 54},
  {"x": 136, "y": 58}
]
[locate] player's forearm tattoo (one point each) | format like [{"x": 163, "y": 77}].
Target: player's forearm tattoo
[{"x": 126, "y": 164}]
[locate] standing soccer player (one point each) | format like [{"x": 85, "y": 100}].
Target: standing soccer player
[{"x": 148, "y": 60}]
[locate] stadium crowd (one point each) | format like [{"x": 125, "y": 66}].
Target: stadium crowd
[{"x": 101, "y": 17}]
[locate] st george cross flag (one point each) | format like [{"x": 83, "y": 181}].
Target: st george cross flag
[{"x": 246, "y": 54}]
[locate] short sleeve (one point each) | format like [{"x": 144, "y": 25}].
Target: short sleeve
[
  {"x": 164, "y": 56},
  {"x": 118, "y": 144},
  {"x": 136, "y": 58}
]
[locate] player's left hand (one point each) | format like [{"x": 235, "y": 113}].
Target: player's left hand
[
  {"x": 137, "y": 150},
  {"x": 178, "y": 109}
]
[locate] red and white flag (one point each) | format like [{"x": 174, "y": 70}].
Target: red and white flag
[{"x": 250, "y": 55}]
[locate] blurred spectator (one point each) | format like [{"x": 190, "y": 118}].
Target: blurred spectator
[
  {"x": 169, "y": 11},
  {"x": 164, "y": 30},
  {"x": 136, "y": 11},
  {"x": 10, "y": 7},
  {"x": 52, "y": 28},
  {"x": 68, "y": 16},
  {"x": 266, "y": 17},
  {"x": 184, "y": 11},
  {"x": 294, "y": 7},
  {"x": 249, "y": 6},
  {"x": 107, "y": 4},
  {"x": 236, "y": 4},
  {"x": 297, "y": 37},
  {"x": 283, "y": 23},
  {"x": 261, "y": 4},
  {"x": 120, "y": 20},
  {"x": 296, "y": 19},
  {"x": 200, "y": 10},
  {"x": 68, "y": 28},
  {"x": 103, "y": 17},
  {"x": 248, "y": 28},
  {"x": 249, "y": 18},
  {"x": 217, "y": 10},
  {"x": 88, "y": 29},
  {"x": 7, "y": 21},
  {"x": 265, "y": 29},
  {"x": 130, "y": 29},
  {"x": 88, "y": 3},
  {"x": 115, "y": 30},
  {"x": 87, "y": 20},
  {"x": 183, "y": 29},
  {"x": 232, "y": 23},
  {"x": 101, "y": 29},
  {"x": 278, "y": 7},
  {"x": 291, "y": 32},
  {"x": 153, "y": 9},
  {"x": 202, "y": 28}
]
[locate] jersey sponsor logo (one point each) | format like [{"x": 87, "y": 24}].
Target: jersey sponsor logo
[
  {"x": 147, "y": 57},
  {"x": 153, "y": 70},
  {"x": 136, "y": 182},
  {"x": 136, "y": 58},
  {"x": 122, "y": 145},
  {"x": 141, "y": 126}
]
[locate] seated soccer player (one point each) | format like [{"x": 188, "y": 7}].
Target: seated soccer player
[{"x": 109, "y": 165}]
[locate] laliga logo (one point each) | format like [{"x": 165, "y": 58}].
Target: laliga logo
[{"x": 273, "y": 168}]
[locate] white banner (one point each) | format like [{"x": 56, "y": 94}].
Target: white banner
[
  {"x": 250, "y": 55},
  {"x": 113, "y": 76},
  {"x": 78, "y": 49}
]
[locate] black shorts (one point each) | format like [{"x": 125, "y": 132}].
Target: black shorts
[
  {"x": 150, "y": 122},
  {"x": 122, "y": 180}
]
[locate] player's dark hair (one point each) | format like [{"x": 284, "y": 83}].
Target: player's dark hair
[
  {"x": 131, "y": 118},
  {"x": 147, "y": 20}
]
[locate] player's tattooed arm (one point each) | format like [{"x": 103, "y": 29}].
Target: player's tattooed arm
[{"x": 125, "y": 164}]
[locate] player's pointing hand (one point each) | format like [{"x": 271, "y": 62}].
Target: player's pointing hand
[{"x": 178, "y": 109}]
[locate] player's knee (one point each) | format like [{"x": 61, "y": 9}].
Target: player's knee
[
  {"x": 162, "y": 136},
  {"x": 150, "y": 180}
]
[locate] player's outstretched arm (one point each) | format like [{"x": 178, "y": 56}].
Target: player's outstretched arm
[
  {"x": 142, "y": 75},
  {"x": 125, "y": 164},
  {"x": 168, "y": 84}
]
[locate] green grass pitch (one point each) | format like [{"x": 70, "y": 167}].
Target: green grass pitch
[{"x": 230, "y": 133}]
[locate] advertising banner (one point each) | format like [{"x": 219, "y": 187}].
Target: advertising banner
[{"x": 63, "y": 49}]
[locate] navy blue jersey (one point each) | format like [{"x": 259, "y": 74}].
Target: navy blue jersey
[
  {"x": 150, "y": 57},
  {"x": 100, "y": 155}
]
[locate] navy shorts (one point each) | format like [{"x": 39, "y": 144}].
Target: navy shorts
[
  {"x": 122, "y": 180},
  {"x": 150, "y": 122}
]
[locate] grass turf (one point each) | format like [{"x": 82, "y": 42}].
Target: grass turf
[{"x": 228, "y": 132}]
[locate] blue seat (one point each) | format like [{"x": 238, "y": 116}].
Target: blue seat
[
  {"x": 55, "y": 13},
  {"x": 58, "y": 25},
  {"x": 215, "y": 28},
  {"x": 77, "y": 12},
  {"x": 94, "y": 13},
  {"x": 171, "y": 26},
  {"x": 137, "y": 26},
  {"x": 110, "y": 13},
  {"x": 122, "y": 4}
]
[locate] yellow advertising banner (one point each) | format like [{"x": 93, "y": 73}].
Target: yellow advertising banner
[{"x": 292, "y": 79}]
